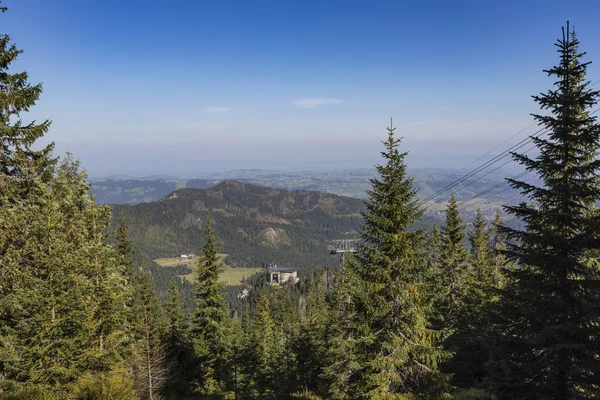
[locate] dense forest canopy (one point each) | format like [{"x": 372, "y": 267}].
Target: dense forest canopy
[
  {"x": 256, "y": 225},
  {"x": 460, "y": 311}
]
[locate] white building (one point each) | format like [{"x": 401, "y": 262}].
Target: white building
[{"x": 281, "y": 275}]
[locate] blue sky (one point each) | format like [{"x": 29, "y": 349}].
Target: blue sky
[{"x": 185, "y": 87}]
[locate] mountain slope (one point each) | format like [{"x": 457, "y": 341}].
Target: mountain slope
[{"x": 256, "y": 225}]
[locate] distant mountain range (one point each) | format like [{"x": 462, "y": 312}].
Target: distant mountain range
[
  {"x": 141, "y": 191},
  {"x": 351, "y": 183}
]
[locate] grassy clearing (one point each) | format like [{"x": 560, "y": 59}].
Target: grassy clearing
[
  {"x": 232, "y": 276},
  {"x": 171, "y": 262}
]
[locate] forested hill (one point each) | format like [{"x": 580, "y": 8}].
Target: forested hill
[{"x": 255, "y": 225}]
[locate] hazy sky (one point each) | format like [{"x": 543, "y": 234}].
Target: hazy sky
[{"x": 189, "y": 86}]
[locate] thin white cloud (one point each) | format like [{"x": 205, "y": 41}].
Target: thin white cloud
[
  {"x": 214, "y": 110},
  {"x": 314, "y": 102}
]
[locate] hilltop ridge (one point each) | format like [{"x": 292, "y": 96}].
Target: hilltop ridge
[{"x": 256, "y": 225}]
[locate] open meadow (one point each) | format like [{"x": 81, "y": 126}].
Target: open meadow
[{"x": 231, "y": 276}]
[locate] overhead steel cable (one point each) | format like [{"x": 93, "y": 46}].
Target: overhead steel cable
[
  {"x": 489, "y": 172},
  {"x": 480, "y": 195},
  {"x": 493, "y": 160},
  {"x": 487, "y": 198},
  {"x": 490, "y": 151},
  {"x": 483, "y": 166},
  {"x": 490, "y": 162}
]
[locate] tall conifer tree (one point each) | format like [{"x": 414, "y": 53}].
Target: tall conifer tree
[
  {"x": 63, "y": 324},
  {"x": 550, "y": 323},
  {"x": 124, "y": 246},
  {"x": 129, "y": 281},
  {"x": 396, "y": 350},
  {"x": 19, "y": 162},
  {"x": 149, "y": 361},
  {"x": 177, "y": 347},
  {"x": 22, "y": 171},
  {"x": 264, "y": 350},
  {"x": 209, "y": 315},
  {"x": 480, "y": 250},
  {"x": 498, "y": 260},
  {"x": 311, "y": 345},
  {"x": 471, "y": 327},
  {"x": 454, "y": 265}
]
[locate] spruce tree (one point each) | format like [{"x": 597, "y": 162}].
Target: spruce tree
[
  {"x": 396, "y": 350},
  {"x": 264, "y": 349},
  {"x": 19, "y": 162},
  {"x": 149, "y": 362},
  {"x": 341, "y": 357},
  {"x": 471, "y": 325},
  {"x": 177, "y": 347},
  {"x": 60, "y": 316},
  {"x": 209, "y": 316},
  {"x": 485, "y": 270},
  {"x": 480, "y": 250},
  {"x": 454, "y": 265},
  {"x": 24, "y": 175},
  {"x": 175, "y": 316},
  {"x": 129, "y": 278},
  {"x": 124, "y": 246},
  {"x": 549, "y": 325},
  {"x": 498, "y": 260},
  {"x": 286, "y": 314},
  {"x": 108, "y": 302},
  {"x": 311, "y": 343}
]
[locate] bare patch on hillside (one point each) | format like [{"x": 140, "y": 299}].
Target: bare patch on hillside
[{"x": 275, "y": 237}]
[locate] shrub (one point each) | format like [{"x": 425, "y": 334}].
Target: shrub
[{"x": 112, "y": 385}]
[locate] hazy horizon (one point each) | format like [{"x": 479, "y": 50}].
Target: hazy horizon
[{"x": 144, "y": 87}]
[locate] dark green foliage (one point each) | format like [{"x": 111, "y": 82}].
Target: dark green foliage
[
  {"x": 209, "y": 315},
  {"x": 390, "y": 344},
  {"x": 63, "y": 313},
  {"x": 311, "y": 345},
  {"x": 124, "y": 245},
  {"x": 81, "y": 319},
  {"x": 129, "y": 280},
  {"x": 263, "y": 351},
  {"x": 434, "y": 251},
  {"x": 110, "y": 385},
  {"x": 454, "y": 266},
  {"x": 256, "y": 226},
  {"x": 472, "y": 326},
  {"x": 178, "y": 349},
  {"x": 480, "y": 251},
  {"x": 498, "y": 261},
  {"x": 549, "y": 323},
  {"x": 149, "y": 359},
  {"x": 19, "y": 163}
]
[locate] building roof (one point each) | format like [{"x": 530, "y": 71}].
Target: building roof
[{"x": 285, "y": 270}]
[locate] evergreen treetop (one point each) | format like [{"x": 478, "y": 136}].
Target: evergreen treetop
[
  {"x": 209, "y": 315},
  {"x": 395, "y": 349},
  {"x": 19, "y": 163},
  {"x": 480, "y": 251},
  {"x": 552, "y": 307}
]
